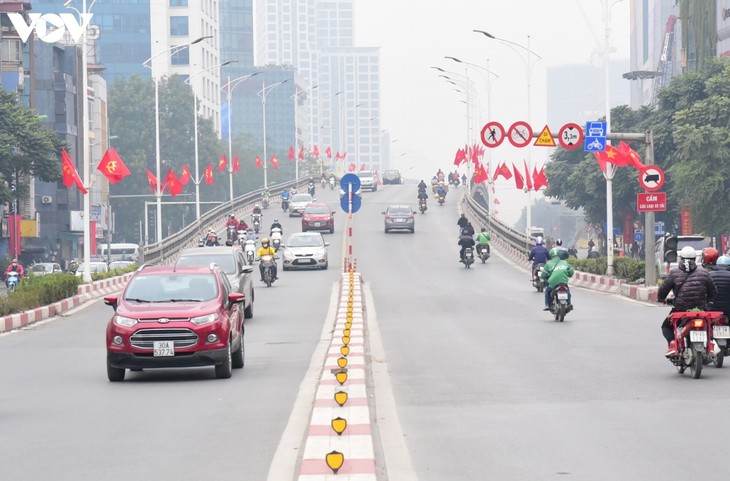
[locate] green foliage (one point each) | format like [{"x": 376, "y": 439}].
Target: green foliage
[
  {"x": 97, "y": 276},
  {"x": 590, "y": 266},
  {"x": 36, "y": 291},
  {"x": 26, "y": 148},
  {"x": 626, "y": 268}
]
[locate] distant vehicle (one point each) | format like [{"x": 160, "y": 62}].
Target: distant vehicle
[
  {"x": 399, "y": 217},
  {"x": 698, "y": 242},
  {"x": 298, "y": 203},
  {"x": 318, "y": 216},
  {"x": 95, "y": 268},
  {"x": 119, "y": 252},
  {"x": 368, "y": 181},
  {"x": 305, "y": 250},
  {"x": 45, "y": 268},
  {"x": 392, "y": 177},
  {"x": 120, "y": 264}
]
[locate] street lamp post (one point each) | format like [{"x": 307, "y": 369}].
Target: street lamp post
[
  {"x": 528, "y": 67},
  {"x": 197, "y": 178},
  {"x": 228, "y": 88},
  {"x": 263, "y": 93},
  {"x": 148, "y": 63},
  {"x": 295, "y": 97}
]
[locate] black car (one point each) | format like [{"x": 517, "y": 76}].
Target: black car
[
  {"x": 232, "y": 261},
  {"x": 392, "y": 177}
]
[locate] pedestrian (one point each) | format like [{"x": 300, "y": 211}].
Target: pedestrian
[{"x": 591, "y": 244}]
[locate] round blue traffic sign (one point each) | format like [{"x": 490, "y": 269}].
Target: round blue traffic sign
[
  {"x": 350, "y": 179},
  {"x": 356, "y": 203}
]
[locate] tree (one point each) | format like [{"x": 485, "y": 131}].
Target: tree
[{"x": 26, "y": 148}]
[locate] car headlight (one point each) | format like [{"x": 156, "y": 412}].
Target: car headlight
[
  {"x": 125, "y": 321},
  {"x": 319, "y": 252},
  {"x": 199, "y": 321}
]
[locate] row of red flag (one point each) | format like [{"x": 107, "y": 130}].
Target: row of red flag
[
  {"x": 315, "y": 152},
  {"x": 534, "y": 180}
]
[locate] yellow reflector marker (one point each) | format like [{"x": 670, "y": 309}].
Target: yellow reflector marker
[
  {"x": 345, "y": 350},
  {"x": 339, "y": 425},
  {"x": 345, "y": 340},
  {"x": 342, "y": 362},
  {"x": 348, "y": 325},
  {"x": 346, "y": 332},
  {"x": 335, "y": 460},
  {"x": 341, "y": 397},
  {"x": 341, "y": 377}
]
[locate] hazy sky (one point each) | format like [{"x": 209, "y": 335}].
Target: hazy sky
[{"x": 427, "y": 117}]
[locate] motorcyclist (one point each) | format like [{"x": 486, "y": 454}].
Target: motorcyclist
[
  {"x": 242, "y": 225},
  {"x": 719, "y": 267},
  {"x": 559, "y": 246},
  {"x": 538, "y": 255},
  {"x": 15, "y": 267},
  {"x": 212, "y": 239},
  {"x": 276, "y": 224},
  {"x": 465, "y": 240},
  {"x": 573, "y": 251},
  {"x": 266, "y": 250},
  {"x": 482, "y": 240},
  {"x": 441, "y": 191},
  {"x": 692, "y": 287},
  {"x": 557, "y": 271},
  {"x": 462, "y": 221},
  {"x": 73, "y": 266},
  {"x": 469, "y": 229},
  {"x": 440, "y": 175},
  {"x": 463, "y": 179},
  {"x": 265, "y": 196},
  {"x": 422, "y": 194},
  {"x": 256, "y": 209},
  {"x": 285, "y": 195},
  {"x": 311, "y": 188},
  {"x": 232, "y": 221},
  {"x": 250, "y": 235}
]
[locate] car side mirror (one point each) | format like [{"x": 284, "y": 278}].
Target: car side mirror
[
  {"x": 413, "y": 211},
  {"x": 246, "y": 269},
  {"x": 382, "y": 212},
  {"x": 326, "y": 244},
  {"x": 235, "y": 297},
  {"x": 111, "y": 301},
  {"x": 333, "y": 212}
]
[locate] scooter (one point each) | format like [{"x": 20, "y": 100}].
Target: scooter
[
  {"x": 311, "y": 189},
  {"x": 441, "y": 199},
  {"x": 694, "y": 333},
  {"x": 482, "y": 253},
  {"x": 284, "y": 205},
  {"x": 422, "y": 205},
  {"x": 323, "y": 183},
  {"x": 249, "y": 249},
  {"x": 276, "y": 236},
  {"x": 231, "y": 234},
  {"x": 268, "y": 262},
  {"x": 559, "y": 306},
  {"x": 11, "y": 282},
  {"x": 332, "y": 183},
  {"x": 468, "y": 257},
  {"x": 538, "y": 282},
  {"x": 265, "y": 202},
  {"x": 256, "y": 222}
]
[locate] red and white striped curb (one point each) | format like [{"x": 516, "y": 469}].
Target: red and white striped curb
[
  {"x": 86, "y": 292},
  {"x": 590, "y": 281},
  {"x": 355, "y": 444}
]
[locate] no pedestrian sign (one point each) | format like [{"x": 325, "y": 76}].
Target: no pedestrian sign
[{"x": 492, "y": 134}]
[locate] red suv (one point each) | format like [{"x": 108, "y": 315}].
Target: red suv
[
  {"x": 171, "y": 316},
  {"x": 318, "y": 216}
]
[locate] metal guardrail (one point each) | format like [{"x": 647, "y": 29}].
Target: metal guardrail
[
  {"x": 518, "y": 240},
  {"x": 169, "y": 246}
]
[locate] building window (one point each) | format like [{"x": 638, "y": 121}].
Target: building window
[
  {"x": 181, "y": 57},
  {"x": 178, "y": 3},
  {"x": 178, "y": 26}
]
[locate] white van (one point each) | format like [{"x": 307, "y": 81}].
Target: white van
[{"x": 119, "y": 252}]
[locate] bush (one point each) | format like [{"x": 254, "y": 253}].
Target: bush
[
  {"x": 626, "y": 268},
  {"x": 36, "y": 291},
  {"x": 590, "y": 266},
  {"x": 97, "y": 276}
]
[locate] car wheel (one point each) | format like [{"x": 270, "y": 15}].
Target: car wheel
[
  {"x": 325, "y": 266},
  {"x": 238, "y": 356},
  {"x": 114, "y": 374},
  {"x": 332, "y": 230},
  {"x": 304, "y": 230},
  {"x": 386, "y": 230},
  {"x": 223, "y": 370},
  {"x": 413, "y": 231},
  {"x": 248, "y": 311}
]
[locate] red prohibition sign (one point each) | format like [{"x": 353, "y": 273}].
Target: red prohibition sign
[
  {"x": 492, "y": 134},
  {"x": 520, "y": 134}
]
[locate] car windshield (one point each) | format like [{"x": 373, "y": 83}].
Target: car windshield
[
  {"x": 94, "y": 267},
  {"x": 317, "y": 209},
  {"x": 224, "y": 261},
  {"x": 304, "y": 241},
  {"x": 697, "y": 244},
  {"x": 40, "y": 268},
  {"x": 399, "y": 211},
  {"x": 172, "y": 287},
  {"x": 302, "y": 198},
  {"x": 364, "y": 174}
]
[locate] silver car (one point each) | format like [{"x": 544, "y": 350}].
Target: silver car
[
  {"x": 305, "y": 250},
  {"x": 298, "y": 203},
  {"x": 399, "y": 217}
]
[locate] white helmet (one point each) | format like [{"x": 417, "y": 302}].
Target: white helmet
[{"x": 688, "y": 252}]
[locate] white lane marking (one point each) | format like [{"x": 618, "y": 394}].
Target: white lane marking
[
  {"x": 284, "y": 463},
  {"x": 394, "y": 449}
]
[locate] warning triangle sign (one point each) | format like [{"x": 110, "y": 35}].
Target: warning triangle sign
[{"x": 545, "y": 139}]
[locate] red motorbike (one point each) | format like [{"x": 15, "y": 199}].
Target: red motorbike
[{"x": 695, "y": 334}]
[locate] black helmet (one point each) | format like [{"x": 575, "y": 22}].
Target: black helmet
[
  {"x": 464, "y": 232},
  {"x": 558, "y": 242},
  {"x": 484, "y": 229}
]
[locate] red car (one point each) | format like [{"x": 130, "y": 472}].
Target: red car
[
  {"x": 171, "y": 316},
  {"x": 318, "y": 216}
]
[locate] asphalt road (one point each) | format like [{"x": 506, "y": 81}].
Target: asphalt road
[{"x": 485, "y": 384}]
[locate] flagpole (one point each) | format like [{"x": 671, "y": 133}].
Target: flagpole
[
  {"x": 265, "y": 89},
  {"x": 197, "y": 162},
  {"x": 230, "y": 143},
  {"x": 85, "y": 155},
  {"x": 610, "y": 169}
]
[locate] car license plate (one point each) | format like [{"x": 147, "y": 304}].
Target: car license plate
[
  {"x": 400, "y": 220},
  {"x": 317, "y": 224},
  {"x": 163, "y": 348},
  {"x": 698, "y": 336},
  {"x": 721, "y": 332},
  {"x": 563, "y": 296}
]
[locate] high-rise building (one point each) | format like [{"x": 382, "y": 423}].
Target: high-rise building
[{"x": 723, "y": 28}]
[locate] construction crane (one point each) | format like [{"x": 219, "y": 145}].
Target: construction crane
[{"x": 664, "y": 69}]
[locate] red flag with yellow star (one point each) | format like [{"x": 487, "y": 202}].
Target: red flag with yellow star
[
  {"x": 236, "y": 165},
  {"x": 172, "y": 183},
  {"x": 112, "y": 167},
  {"x": 70, "y": 176},
  {"x": 222, "y": 163},
  {"x": 152, "y": 180},
  {"x": 209, "y": 175},
  {"x": 185, "y": 176}
]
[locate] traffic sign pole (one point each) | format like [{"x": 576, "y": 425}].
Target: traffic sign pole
[{"x": 649, "y": 236}]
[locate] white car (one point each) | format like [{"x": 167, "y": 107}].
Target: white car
[
  {"x": 368, "y": 180},
  {"x": 298, "y": 203},
  {"x": 305, "y": 250},
  {"x": 45, "y": 268},
  {"x": 94, "y": 267}
]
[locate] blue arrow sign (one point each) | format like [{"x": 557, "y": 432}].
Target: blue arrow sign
[
  {"x": 356, "y": 203},
  {"x": 350, "y": 179}
]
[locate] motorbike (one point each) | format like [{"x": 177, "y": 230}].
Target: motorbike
[
  {"x": 11, "y": 281},
  {"x": 311, "y": 189},
  {"x": 265, "y": 202},
  {"x": 694, "y": 333},
  {"x": 241, "y": 236},
  {"x": 231, "y": 234},
  {"x": 440, "y": 199},
  {"x": 559, "y": 306},
  {"x": 468, "y": 257},
  {"x": 332, "y": 183},
  {"x": 482, "y": 253},
  {"x": 422, "y": 205},
  {"x": 276, "y": 236},
  {"x": 249, "y": 249},
  {"x": 323, "y": 183},
  {"x": 538, "y": 282},
  {"x": 268, "y": 261},
  {"x": 256, "y": 222},
  {"x": 284, "y": 205}
]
